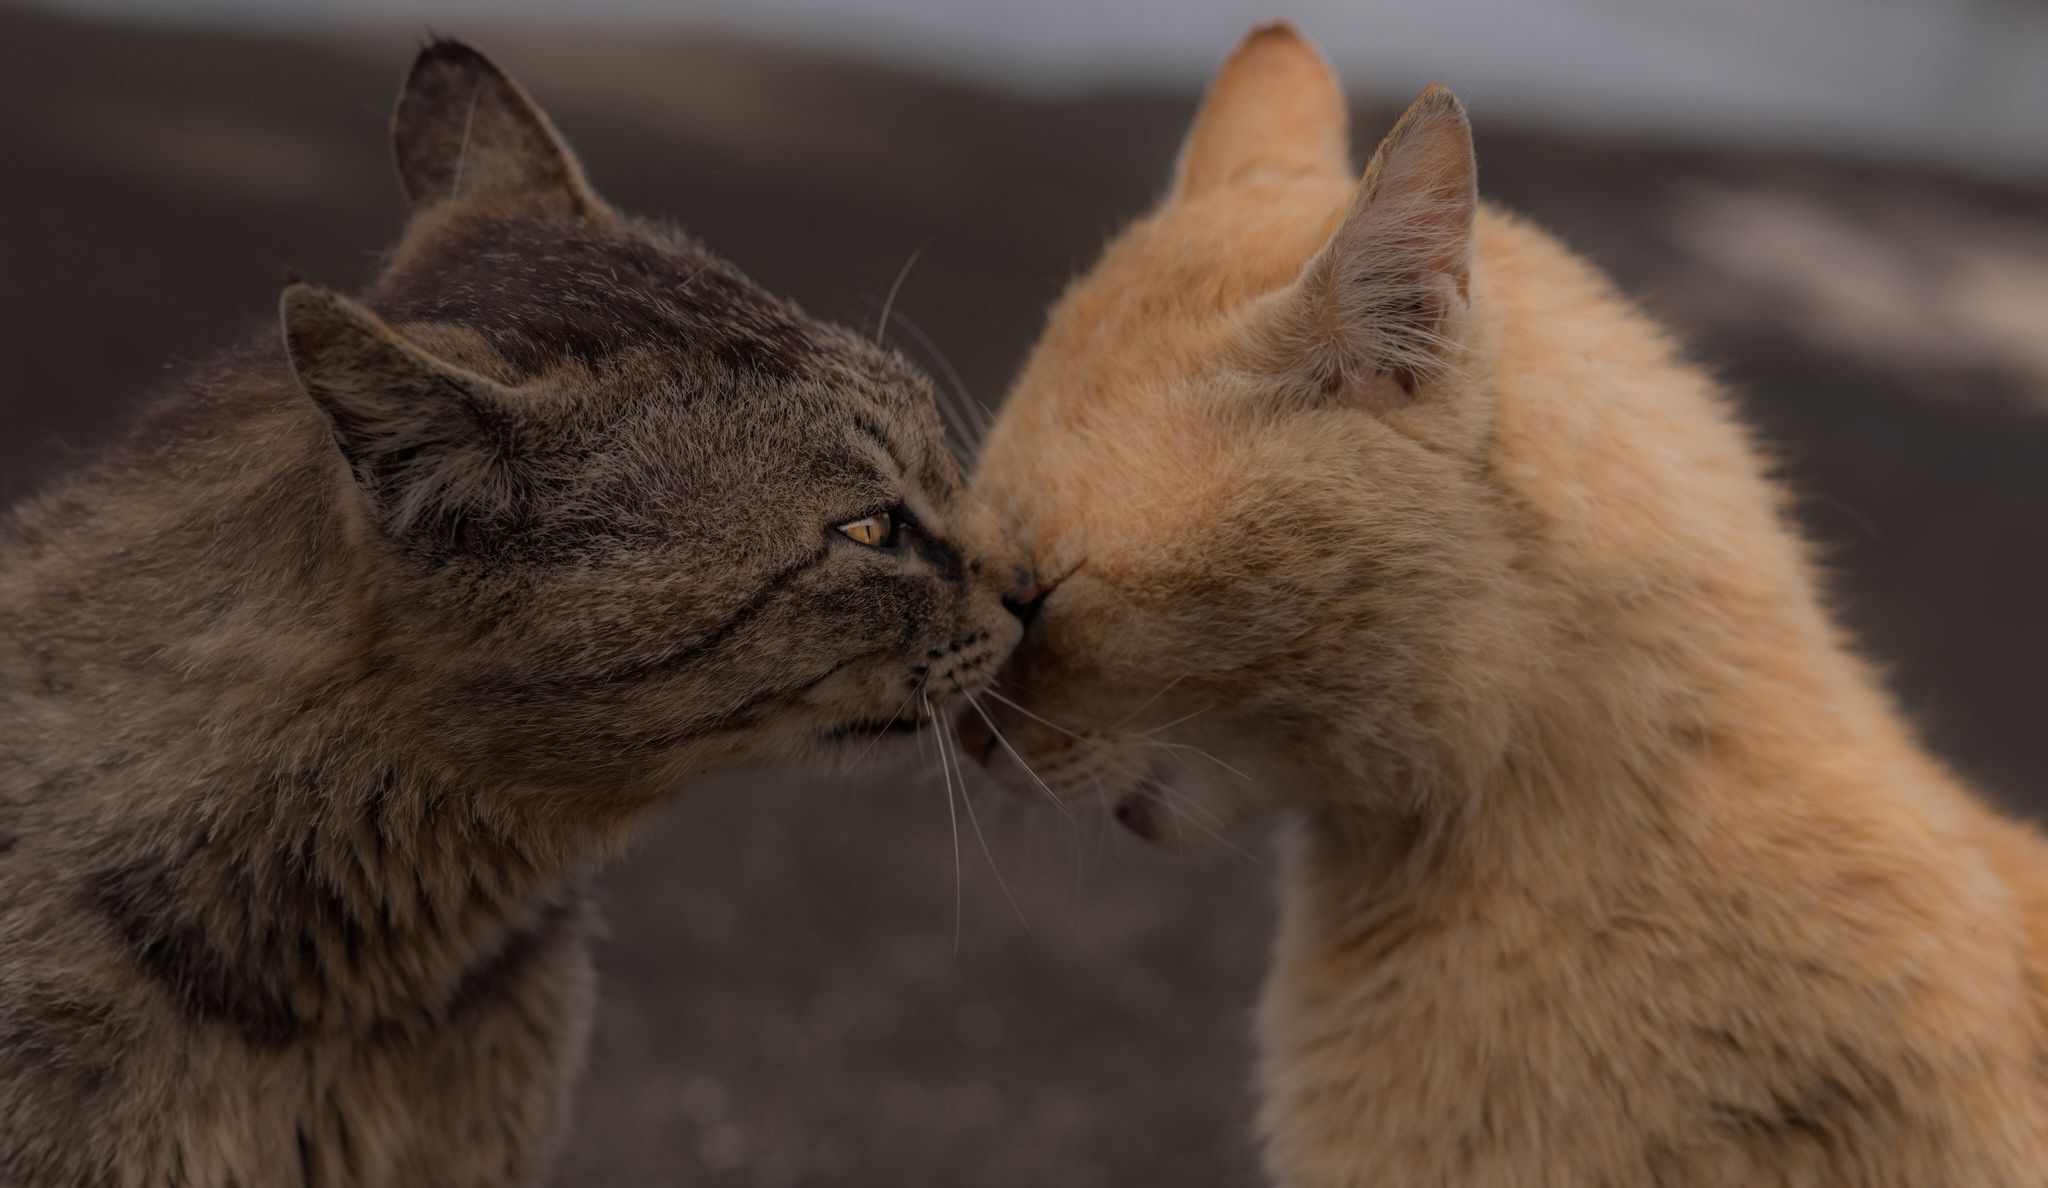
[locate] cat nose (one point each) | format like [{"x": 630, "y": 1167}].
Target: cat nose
[
  {"x": 1023, "y": 601},
  {"x": 976, "y": 738}
]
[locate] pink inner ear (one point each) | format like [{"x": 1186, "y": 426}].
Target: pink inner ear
[
  {"x": 1420, "y": 206},
  {"x": 1379, "y": 295}
]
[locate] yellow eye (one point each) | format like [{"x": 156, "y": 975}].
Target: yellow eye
[{"x": 872, "y": 530}]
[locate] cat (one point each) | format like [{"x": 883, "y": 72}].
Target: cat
[
  {"x": 1605, "y": 861},
  {"x": 325, "y": 687}
]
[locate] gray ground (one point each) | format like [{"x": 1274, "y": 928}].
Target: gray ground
[{"x": 793, "y": 992}]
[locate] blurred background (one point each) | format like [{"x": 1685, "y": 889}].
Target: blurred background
[{"x": 1840, "y": 205}]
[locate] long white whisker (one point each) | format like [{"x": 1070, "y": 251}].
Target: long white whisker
[
  {"x": 893, "y": 715},
  {"x": 1177, "y": 721},
  {"x": 960, "y": 427},
  {"x": 1173, "y": 803},
  {"x": 946, "y": 742},
  {"x": 1187, "y": 812},
  {"x": 1049, "y": 793},
  {"x": 954, "y": 815},
  {"x": 1103, "y": 832},
  {"x": 882, "y": 323},
  {"x": 1145, "y": 704},
  {"x": 952, "y": 377},
  {"x": 957, "y": 426},
  {"x": 1164, "y": 795},
  {"x": 1163, "y": 745},
  {"x": 1034, "y": 717}
]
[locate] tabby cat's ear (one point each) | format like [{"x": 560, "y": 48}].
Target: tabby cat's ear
[
  {"x": 464, "y": 129},
  {"x": 1375, "y": 313},
  {"x": 1274, "y": 106},
  {"x": 435, "y": 447}
]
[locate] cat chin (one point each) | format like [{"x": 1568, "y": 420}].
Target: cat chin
[
  {"x": 1183, "y": 815},
  {"x": 865, "y": 745},
  {"x": 1160, "y": 823},
  {"x": 1146, "y": 814}
]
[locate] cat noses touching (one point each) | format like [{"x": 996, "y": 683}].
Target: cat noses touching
[
  {"x": 1025, "y": 600},
  {"x": 972, "y": 729}
]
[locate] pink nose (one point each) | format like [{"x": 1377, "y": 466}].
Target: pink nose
[{"x": 975, "y": 737}]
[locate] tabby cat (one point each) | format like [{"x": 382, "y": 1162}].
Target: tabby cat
[
  {"x": 322, "y": 690},
  {"x": 1606, "y": 863}
]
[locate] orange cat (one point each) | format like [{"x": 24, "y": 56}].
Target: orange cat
[{"x": 1607, "y": 862}]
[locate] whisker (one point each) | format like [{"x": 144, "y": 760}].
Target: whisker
[
  {"x": 893, "y": 715},
  {"x": 1138, "y": 777},
  {"x": 1189, "y": 811},
  {"x": 963, "y": 431},
  {"x": 1163, "y": 745},
  {"x": 1034, "y": 717},
  {"x": 1205, "y": 820},
  {"x": 1103, "y": 833},
  {"x": 1049, "y": 793},
  {"x": 1145, "y": 704},
  {"x": 962, "y": 440},
  {"x": 971, "y": 407},
  {"x": 954, "y": 815},
  {"x": 946, "y": 743},
  {"x": 1177, "y": 721},
  {"x": 882, "y": 322},
  {"x": 1165, "y": 796}
]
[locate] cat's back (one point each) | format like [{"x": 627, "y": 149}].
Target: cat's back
[{"x": 1651, "y": 512}]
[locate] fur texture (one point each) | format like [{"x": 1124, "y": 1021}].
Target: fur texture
[
  {"x": 1606, "y": 862},
  {"x": 320, "y": 692}
]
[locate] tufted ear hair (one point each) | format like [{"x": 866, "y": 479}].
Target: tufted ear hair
[
  {"x": 1274, "y": 106},
  {"x": 1375, "y": 312},
  {"x": 463, "y": 129},
  {"x": 437, "y": 449}
]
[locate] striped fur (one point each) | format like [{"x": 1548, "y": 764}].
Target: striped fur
[{"x": 321, "y": 691}]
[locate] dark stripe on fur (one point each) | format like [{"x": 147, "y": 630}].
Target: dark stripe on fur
[
  {"x": 208, "y": 985},
  {"x": 762, "y": 599}
]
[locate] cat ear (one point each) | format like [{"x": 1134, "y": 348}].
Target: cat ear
[
  {"x": 1274, "y": 106},
  {"x": 1381, "y": 299},
  {"x": 434, "y": 446},
  {"x": 464, "y": 129}
]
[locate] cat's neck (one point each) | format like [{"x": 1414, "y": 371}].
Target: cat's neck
[
  {"x": 323, "y": 872},
  {"x": 1656, "y": 674},
  {"x": 1678, "y": 744},
  {"x": 340, "y": 897},
  {"x": 269, "y": 818}
]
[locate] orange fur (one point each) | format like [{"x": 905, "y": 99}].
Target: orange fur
[{"x": 1607, "y": 862}]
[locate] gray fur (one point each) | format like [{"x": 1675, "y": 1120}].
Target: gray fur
[{"x": 320, "y": 692}]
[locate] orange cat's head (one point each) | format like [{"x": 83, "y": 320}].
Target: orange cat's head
[{"x": 1247, "y": 456}]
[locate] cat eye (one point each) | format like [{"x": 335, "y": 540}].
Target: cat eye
[{"x": 875, "y": 531}]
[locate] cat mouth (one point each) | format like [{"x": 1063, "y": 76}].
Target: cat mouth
[
  {"x": 1139, "y": 812},
  {"x": 876, "y": 728}
]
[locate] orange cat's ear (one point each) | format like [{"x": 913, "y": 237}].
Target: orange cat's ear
[
  {"x": 464, "y": 129},
  {"x": 1274, "y": 106},
  {"x": 1374, "y": 314}
]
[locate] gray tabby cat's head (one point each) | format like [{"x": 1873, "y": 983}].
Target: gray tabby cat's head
[{"x": 630, "y": 516}]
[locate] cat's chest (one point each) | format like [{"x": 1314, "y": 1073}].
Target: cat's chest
[
  {"x": 478, "y": 1095},
  {"x": 1458, "y": 1046}
]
